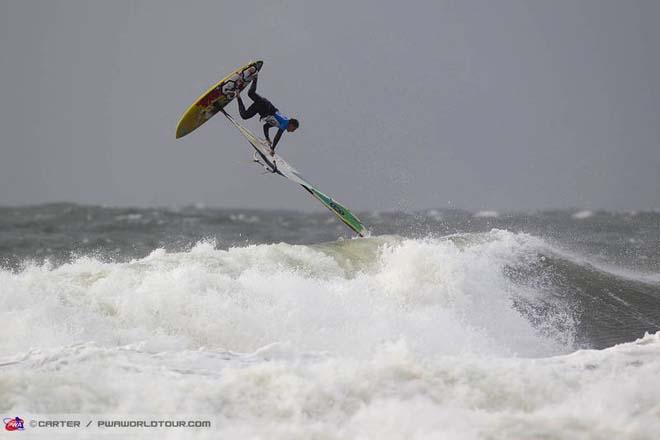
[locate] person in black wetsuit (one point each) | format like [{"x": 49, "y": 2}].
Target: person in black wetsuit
[{"x": 268, "y": 113}]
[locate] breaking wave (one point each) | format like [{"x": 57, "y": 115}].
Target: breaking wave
[{"x": 384, "y": 337}]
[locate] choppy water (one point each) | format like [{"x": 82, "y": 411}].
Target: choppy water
[{"x": 442, "y": 324}]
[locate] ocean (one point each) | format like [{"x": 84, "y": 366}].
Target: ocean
[{"x": 443, "y": 324}]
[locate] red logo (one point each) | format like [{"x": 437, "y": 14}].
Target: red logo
[
  {"x": 208, "y": 99},
  {"x": 15, "y": 424}
]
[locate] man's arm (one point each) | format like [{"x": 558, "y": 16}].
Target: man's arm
[{"x": 277, "y": 138}]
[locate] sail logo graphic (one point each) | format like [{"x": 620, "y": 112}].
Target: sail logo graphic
[{"x": 15, "y": 424}]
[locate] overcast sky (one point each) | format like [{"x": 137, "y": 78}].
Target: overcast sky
[{"x": 403, "y": 105}]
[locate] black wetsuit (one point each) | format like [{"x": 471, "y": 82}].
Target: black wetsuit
[{"x": 264, "y": 108}]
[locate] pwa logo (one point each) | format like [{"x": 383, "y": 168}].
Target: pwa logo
[{"x": 15, "y": 424}]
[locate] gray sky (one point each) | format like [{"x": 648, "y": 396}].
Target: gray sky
[{"x": 403, "y": 105}]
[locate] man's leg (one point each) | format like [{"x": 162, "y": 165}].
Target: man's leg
[
  {"x": 251, "y": 111},
  {"x": 260, "y": 105},
  {"x": 252, "y": 93}
]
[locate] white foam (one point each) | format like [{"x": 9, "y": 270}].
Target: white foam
[
  {"x": 133, "y": 217},
  {"x": 487, "y": 214},
  {"x": 440, "y": 297},
  {"x": 394, "y": 394},
  {"x": 434, "y": 214},
  {"x": 244, "y": 218},
  {"x": 382, "y": 338},
  {"x": 581, "y": 215}
]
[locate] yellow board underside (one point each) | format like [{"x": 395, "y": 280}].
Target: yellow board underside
[{"x": 215, "y": 98}]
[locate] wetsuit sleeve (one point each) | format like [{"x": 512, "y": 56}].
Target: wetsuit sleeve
[{"x": 277, "y": 138}]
